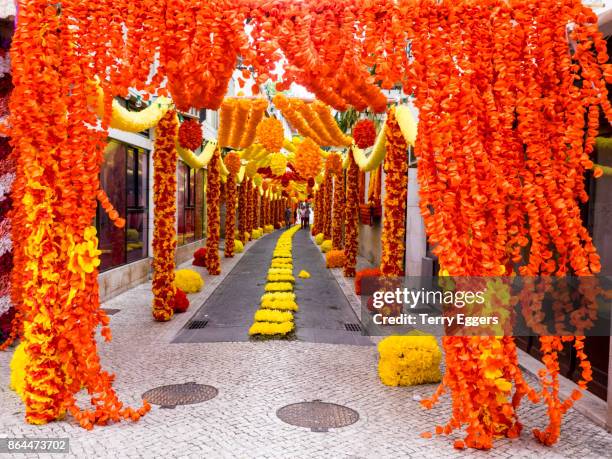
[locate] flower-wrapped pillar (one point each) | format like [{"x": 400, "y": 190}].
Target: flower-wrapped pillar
[
  {"x": 351, "y": 217},
  {"x": 338, "y": 212},
  {"x": 257, "y": 223},
  {"x": 253, "y": 219},
  {"x": 328, "y": 198},
  {"x": 242, "y": 207},
  {"x": 164, "y": 216},
  {"x": 213, "y": 230},
  {"x": 396, "y": 191},
  {"x": 232, "y": 163},
  {"x": 54, "y": 195},
  {"x": 248, "y": 211}
]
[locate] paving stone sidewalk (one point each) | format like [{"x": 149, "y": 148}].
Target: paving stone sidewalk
[{"x": 254, "y": 380}]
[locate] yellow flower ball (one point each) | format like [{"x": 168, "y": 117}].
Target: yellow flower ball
[
  {"x": 409, "y": 360},
  {"x": 326, "y": 246},
  {"x": 238, "y": 246},
  {"x": 188, "y": 280},
  {"x": 304, "y": 274},
  {"x": 319, "y": 238}
]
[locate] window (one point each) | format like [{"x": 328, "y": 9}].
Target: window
[
  {"x": 124, "y": 177},
  {"x": 190, "y": 204}
]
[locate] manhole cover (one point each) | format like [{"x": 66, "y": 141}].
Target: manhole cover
[
  {"x": 317, "y": 415},
  {"x": 180, "y": 394}
]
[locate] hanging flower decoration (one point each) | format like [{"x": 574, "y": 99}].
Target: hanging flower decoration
[
  {"x": 270, "y": 134},
  {"x": 190, "y": 134},
  {"x": 164, "y": 215},
  {"x": 278, "y": 163},
  {"x": 333, "y": 164},
  {"x": 493, "y": 191},
  {"x": 312, "y": 120},
  {"x": 110, "y": 210},
  {"x": 232, "y": 163},
  {"x": 213, "y": 230},
  {"x": 351, "y": 217},
  {"x": 396, "y": 190},
  {"x": 364, "y": 133},
  {"x": 307, "y": 161}
]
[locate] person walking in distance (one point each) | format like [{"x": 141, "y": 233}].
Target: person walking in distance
[
  {"x": 303, "y": 216},
  {"x": 288, "y": 217},
  {"x": 307, "y": 216}
]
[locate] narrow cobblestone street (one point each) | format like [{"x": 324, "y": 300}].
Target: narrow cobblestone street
[{"x": 255, "y": 379}]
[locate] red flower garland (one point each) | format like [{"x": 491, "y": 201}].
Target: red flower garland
[
  {"x": 351, "y": 216},
  {"x": 164, "y": 215},
  {"x": 190, "y": 134},
  {"x": 213, "y": 194},
  {"x": 364, "y": 133}
]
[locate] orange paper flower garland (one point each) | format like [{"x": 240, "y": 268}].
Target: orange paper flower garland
[
  {"x": 238, "y": 119},
  {"x": 110, "y": 210},
  {"x": 230, "y": 209},
  {"x": 55, "y": 247},
  {"x": 307, "y": 161},
  {"x": 503, "y": 187},
  {"x": 396, "y": 190},
  {"x": 312, "y": 120},
  {"x": 164, "y": 231},
  {"x": 270, "y": 134},
  {"x": 351, "y": 217},
  {"x": 213, "y": 230}
]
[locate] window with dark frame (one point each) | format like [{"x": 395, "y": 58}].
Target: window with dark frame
[
  {"x": 190, "y": 204},
  {"x": 124, "y": 178}
]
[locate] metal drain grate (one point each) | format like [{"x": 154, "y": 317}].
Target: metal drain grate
[
  {"x": 180, "y": 394},
  {"x": 197, "y": 324},
  {"x": 110, "y": 311},
  {"x": 317, "y": 415},
  {"x": 352, "y": 327}
]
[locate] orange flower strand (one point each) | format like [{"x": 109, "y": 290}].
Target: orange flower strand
[
  {"x": 351, "y": 217},
  {"x": 396, "y": 189},
  {"x": 213, "y": 230}
]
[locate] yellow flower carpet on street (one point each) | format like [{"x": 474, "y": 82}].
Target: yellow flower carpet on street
[{"x": 274, "y": 319}]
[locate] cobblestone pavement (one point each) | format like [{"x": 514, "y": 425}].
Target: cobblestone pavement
[{"x": 255, "y": 380}]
